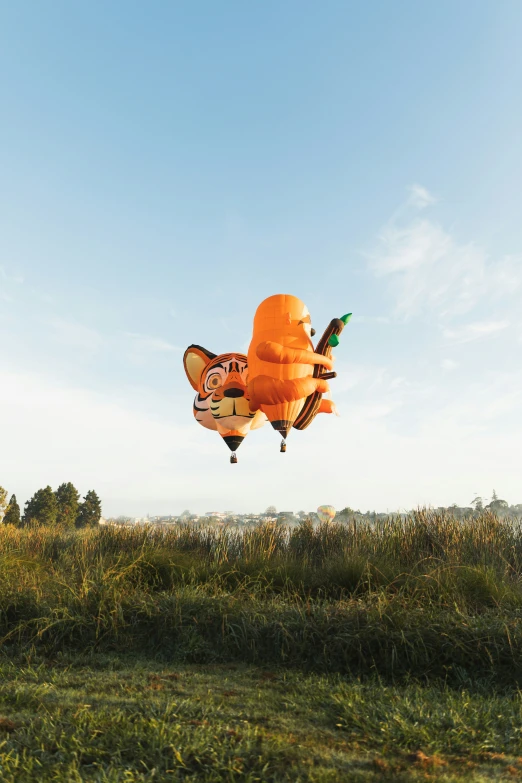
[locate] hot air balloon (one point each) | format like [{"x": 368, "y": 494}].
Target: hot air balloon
[
  {"x": 326, "y": 513},
  {"x": 315, "y": 403},
  {"x": 286, "y": 376},
  {"x": 222, "y": 402}
]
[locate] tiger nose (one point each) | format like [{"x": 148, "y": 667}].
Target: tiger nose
[{"x": 234, "y": 392}]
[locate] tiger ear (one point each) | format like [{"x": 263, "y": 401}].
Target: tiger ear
[{"x": 195, "y": 359}]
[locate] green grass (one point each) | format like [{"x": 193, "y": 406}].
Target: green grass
[
  {"x": 429, "y": 597},
  {"x": 314, "y": 654},
  {"x": 112, "y": 719}
]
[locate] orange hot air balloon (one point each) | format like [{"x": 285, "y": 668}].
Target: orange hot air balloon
[
  {"x": 315, "y": 403},
  {"x": 222, "y": 402},
  {"x": 281, "y": 361}
]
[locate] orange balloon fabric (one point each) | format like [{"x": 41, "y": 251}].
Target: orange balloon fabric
[
  {"x": 281, "y": 360},
  {"x": 222, "y": 401}
]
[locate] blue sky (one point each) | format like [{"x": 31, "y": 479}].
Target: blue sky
[{"x": 165, "y": 167}]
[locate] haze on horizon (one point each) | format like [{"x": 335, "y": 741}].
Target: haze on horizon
[{"x": 166, "y": 168}]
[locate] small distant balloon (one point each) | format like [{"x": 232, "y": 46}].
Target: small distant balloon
[{"x": 326, "y": 513}]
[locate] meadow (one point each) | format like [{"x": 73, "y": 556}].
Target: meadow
[{"x": 315, "y": 653}]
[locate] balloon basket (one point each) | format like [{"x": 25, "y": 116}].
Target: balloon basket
[
  {"x": 283, "y": 446},
  {"x": 233, "y": 459}
]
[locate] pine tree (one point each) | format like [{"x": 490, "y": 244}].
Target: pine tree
[
  {"x": 42, "y": 508},
  {"x": 90, "y": 510},
  {"x": 68, "y": 500},
  {"x": 12, "y": 515},
  {"x": 497, "y": 505}
]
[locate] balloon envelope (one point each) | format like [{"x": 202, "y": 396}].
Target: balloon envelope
[
  {"x": 326, "y": 513},
  {"x": 222, "y": 401},
  {"x": 281, "y": 359}
]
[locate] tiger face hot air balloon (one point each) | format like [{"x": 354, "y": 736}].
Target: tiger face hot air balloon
[
  {"x": 286, "y": 376},
  {"x": 222, "y": 402},
  {"x": 326, "y": 513}
]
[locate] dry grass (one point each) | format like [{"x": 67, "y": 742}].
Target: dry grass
[{"x": 429, "y": 596}]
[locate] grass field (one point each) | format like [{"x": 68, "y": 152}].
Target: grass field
[
  {"x": 117, "y": 719},
  {"x": 314, "y": 654}
]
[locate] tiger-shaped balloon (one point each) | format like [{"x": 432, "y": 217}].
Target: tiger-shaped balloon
[{"x": 222, "y": 401}]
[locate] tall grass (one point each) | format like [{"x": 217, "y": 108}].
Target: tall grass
[{"x": 428, "y": 596}]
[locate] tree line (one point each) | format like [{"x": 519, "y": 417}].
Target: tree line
[
  {"x": 476, "y": 506},
  {"x": 62, "y": 508}
]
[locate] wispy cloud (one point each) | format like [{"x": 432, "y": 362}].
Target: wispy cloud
[
  {"x": 376, "y": 410},
  {"x": 43, "y": 296},
  {"x": 474, "y": 331},
  {"x": 430, "y": 272},
  {"x": 480, "y": 404},
  {"x": 349, "y": 376},
  {"x": 421, "y": 197},
  {"x": 449, "y": 364},
  {"x": 9, "y": 277},
  {"x": 370, "y": 319},
  {"x": 8, "y": 282},
  {"x": 69, "y": 332},
  {"x": 147, "y": 344}
]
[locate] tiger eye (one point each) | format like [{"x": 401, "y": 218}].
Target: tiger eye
[{"x": 214, "y": 381}]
